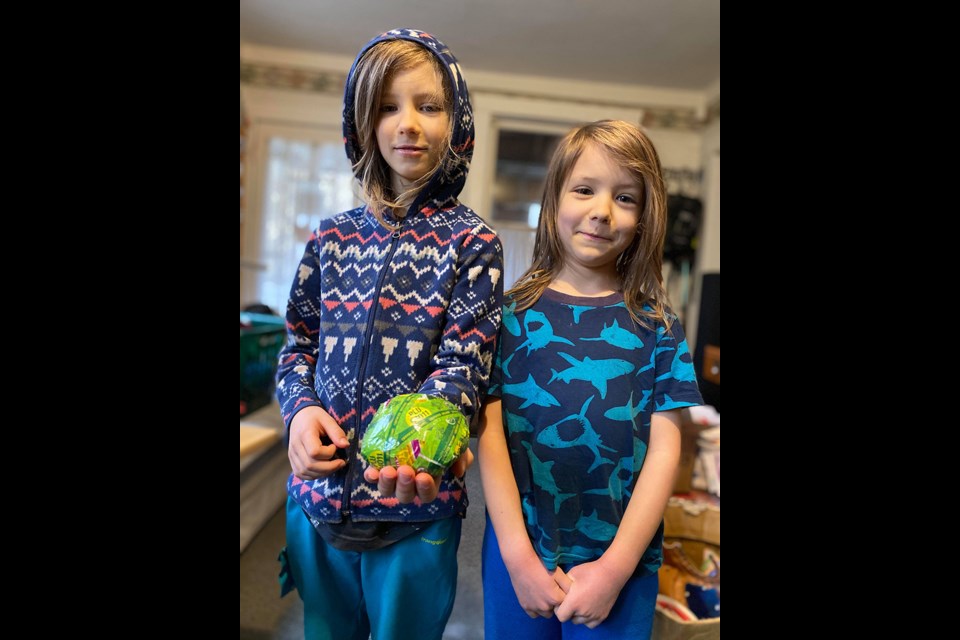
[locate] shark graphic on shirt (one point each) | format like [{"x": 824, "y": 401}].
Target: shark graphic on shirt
[
  {"x": 596, "y": 372},
  {"x": 505, "y": 366},
  {"x": 510, "y": 322},
  {"x": 629, "y": 411},
  {"x": 589, "y": 438},
  {"x": 543, "y": 476},
  {"x": 530, "y": 515},
  {"x": 617, "y": 487},
  {"x": 617, "y": 336},
  {"x": 578, "y": 310},
  {"x": 661, "y": 348},
  {"x": 594, "y": 528},
  {"x": 517, "y": 423},
  {"x": 532, "y": 393},
  {"x": 680, "y": 370},
  {"x": 541, "y": 336}
]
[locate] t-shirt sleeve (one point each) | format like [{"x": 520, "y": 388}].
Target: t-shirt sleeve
[{"x": 676, "y": 379}]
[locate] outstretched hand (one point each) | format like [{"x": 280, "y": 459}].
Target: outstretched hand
[{"x": 407, "y": 484}]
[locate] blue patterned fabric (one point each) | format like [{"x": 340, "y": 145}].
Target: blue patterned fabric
[
  {"x": 579, "y": 383},
  {"x": 374, "y": 313}
]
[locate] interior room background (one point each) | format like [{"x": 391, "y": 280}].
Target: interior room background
[{"x": 293, "y": 170}]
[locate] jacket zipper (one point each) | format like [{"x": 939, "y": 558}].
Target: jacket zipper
[{"x": 367, "y": 337}]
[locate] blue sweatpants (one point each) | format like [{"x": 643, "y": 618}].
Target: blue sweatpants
[
  {"x": 402, "y": 591},
  {"x": 504, "y": 618}
]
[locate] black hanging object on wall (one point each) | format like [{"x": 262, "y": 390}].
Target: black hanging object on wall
[
  {"x": 683, "y": 223},
  {"x": 708, "y": 332}
]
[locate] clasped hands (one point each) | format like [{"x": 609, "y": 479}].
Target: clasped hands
[
  {"x": 310, "y": 459},
  {"x": 583, "y": 595}
]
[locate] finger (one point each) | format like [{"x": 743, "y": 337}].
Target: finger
[
  {"x": 318, "y": 451},
  {"x": 300, "y": 461},
  {"x": 562, "y": 579},
  {"x": 563, "y": 612},
  {"x": 371, "y": 474},
  {"x": 316, "y": 470},
  {"x": 387, "y": 482},
  {"x": 311, "y": 444},
  {"x": 333, "y": 431},
  {"x": 406, "y": 487},
  {"x": 293, "y": 458},
  {"x": 323, "y": 468},
  {"x": 427, "y": 487},
  {"x": 459, "y": 468},
  {"x": 558, "y": 596},
  {"x": 593, "y": 624},
  {"x": 303, "y": 473}
]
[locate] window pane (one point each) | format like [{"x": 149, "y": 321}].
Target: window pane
[
  {"x": 522, "y": 160},
  {"x": 306, "y": 182}
]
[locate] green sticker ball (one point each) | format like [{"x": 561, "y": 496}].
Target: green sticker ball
[{"x": 426, "y": 432}]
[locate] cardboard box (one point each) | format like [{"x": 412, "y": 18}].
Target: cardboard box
[
  {"x": 665, "y": 628},
  {"x": 696, "y": 525},
  {"x": 692, "y": 520}
]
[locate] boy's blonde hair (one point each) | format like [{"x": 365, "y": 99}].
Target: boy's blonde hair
[
  {"x": 373, "y": 71},
  {"x": 639, "y": 266}
]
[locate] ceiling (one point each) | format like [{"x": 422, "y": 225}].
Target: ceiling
[{"x": 661, "y": 43}]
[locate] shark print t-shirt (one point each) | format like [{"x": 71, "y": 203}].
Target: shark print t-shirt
[{"x": 579, "y": 382}]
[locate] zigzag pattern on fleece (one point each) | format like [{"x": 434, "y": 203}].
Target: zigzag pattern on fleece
[{"x": 384, "y": 313}]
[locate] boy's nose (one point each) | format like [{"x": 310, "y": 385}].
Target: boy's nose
[
  {"x": 408, "y": 122},
  {"x": 601, "y": 210}
]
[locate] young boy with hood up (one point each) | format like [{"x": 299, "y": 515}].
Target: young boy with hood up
[{"x": 401, "y": 295}]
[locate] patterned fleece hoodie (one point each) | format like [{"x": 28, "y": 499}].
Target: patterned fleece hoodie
[{"x": 374, "y": 313}]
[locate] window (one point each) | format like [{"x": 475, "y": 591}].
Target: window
[
  {"x": 306, "y": 178},
  {"x": 521, "y": 170},
  {"x": 522, "y": 159}
]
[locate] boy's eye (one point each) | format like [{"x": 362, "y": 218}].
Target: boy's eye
[
  {"x": 584, "y": 191},
  {"x": 386, "y": 108},
  {"x": 627, "y": 198},
  {"x": 432, "y": 108}
]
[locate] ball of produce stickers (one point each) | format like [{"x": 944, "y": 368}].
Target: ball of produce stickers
[{"x": 426, "y": 432}]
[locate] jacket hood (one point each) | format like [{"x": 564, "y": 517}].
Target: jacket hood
[{"x": 446, "y": 185}]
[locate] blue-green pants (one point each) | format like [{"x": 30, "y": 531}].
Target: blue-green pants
[{"x": 404, "y": 590}]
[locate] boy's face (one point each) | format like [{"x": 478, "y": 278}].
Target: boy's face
[
  {"x": 598, "y": 212},
  {"x": 412, "y": 124}
]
